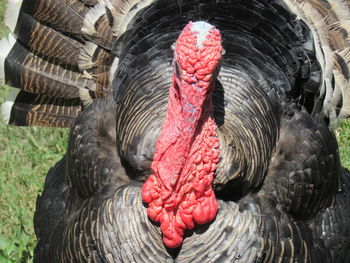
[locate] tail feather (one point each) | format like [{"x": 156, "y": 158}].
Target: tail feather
[
  {"x": 125, "y": 10},
  {"x": 33, "y": 74},
  {"x": 40, "y": 110},
  {"x": 92, "y": 56},
  {"x": 58, "y": 48},
  {"x": 62, "y": 58},
  {"x": 47, "y": 42},
  {"x": 342, "y": 86},
  {"x": 97, "y": 27},
  {"x": 63, "y": 16},
  {"x": 329, "y": 21}
]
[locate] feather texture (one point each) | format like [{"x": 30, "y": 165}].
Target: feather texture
[
  {"x": 328, "y": 21},
  {"x": 62, "y": 52}
]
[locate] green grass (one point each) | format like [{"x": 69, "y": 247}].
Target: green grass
[
  {"x": 26, "y": 154},
  {"x": 344, "y": 143},
  {"x": 3, "y": 28}
]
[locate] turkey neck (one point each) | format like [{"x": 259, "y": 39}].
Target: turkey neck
[{"x": 179, "y": 192}]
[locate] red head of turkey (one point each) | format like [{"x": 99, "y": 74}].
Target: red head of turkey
[{"x": 179, "y": 192}]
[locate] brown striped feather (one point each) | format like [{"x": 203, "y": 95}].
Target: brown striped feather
[
  {"x": 46, "y": 41},
  {"x": 99, "y": 30},
  {"x": 64, "y": 16},
  {"x": 35, "y": 110},
  {"x": 64, "y": 47},
  {"x": 33, "y": 74}
]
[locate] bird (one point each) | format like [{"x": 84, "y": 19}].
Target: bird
[{"x": 201, "y": 130}]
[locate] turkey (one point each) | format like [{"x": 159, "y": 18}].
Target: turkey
[{"x": 199, "y": 129}]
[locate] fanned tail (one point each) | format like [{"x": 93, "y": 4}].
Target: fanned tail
[
  {"x": 329, "y": 21},
  {"x": 58, "y": 57}
]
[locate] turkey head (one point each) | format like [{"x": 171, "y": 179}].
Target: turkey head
[{"x": 179, "y": 192}]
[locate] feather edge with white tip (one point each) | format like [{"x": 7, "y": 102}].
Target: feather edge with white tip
[
  {"x": 12, "y": 12},
  {"x": 113, "y": 69},
  {"x": 91, "y": 17},
  {"x": 6, "y": 107},
  {"x": 85, "y": 56},
  {"x": 6, "y": 45}
]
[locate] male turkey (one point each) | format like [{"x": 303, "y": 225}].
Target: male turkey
[{"x": 202, "y": 136}]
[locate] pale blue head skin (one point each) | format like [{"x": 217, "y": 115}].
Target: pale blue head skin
[{"x": 202, "y": 28}]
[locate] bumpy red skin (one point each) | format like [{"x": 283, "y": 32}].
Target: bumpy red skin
[{"x": 179, "y": 193}]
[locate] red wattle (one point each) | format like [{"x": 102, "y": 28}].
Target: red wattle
[{"x": 179, "y": 193}]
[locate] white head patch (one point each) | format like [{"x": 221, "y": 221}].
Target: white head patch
[{"x": 202, "y": 28}]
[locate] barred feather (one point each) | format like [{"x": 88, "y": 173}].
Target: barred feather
[{"x": 63, "y": 51}]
